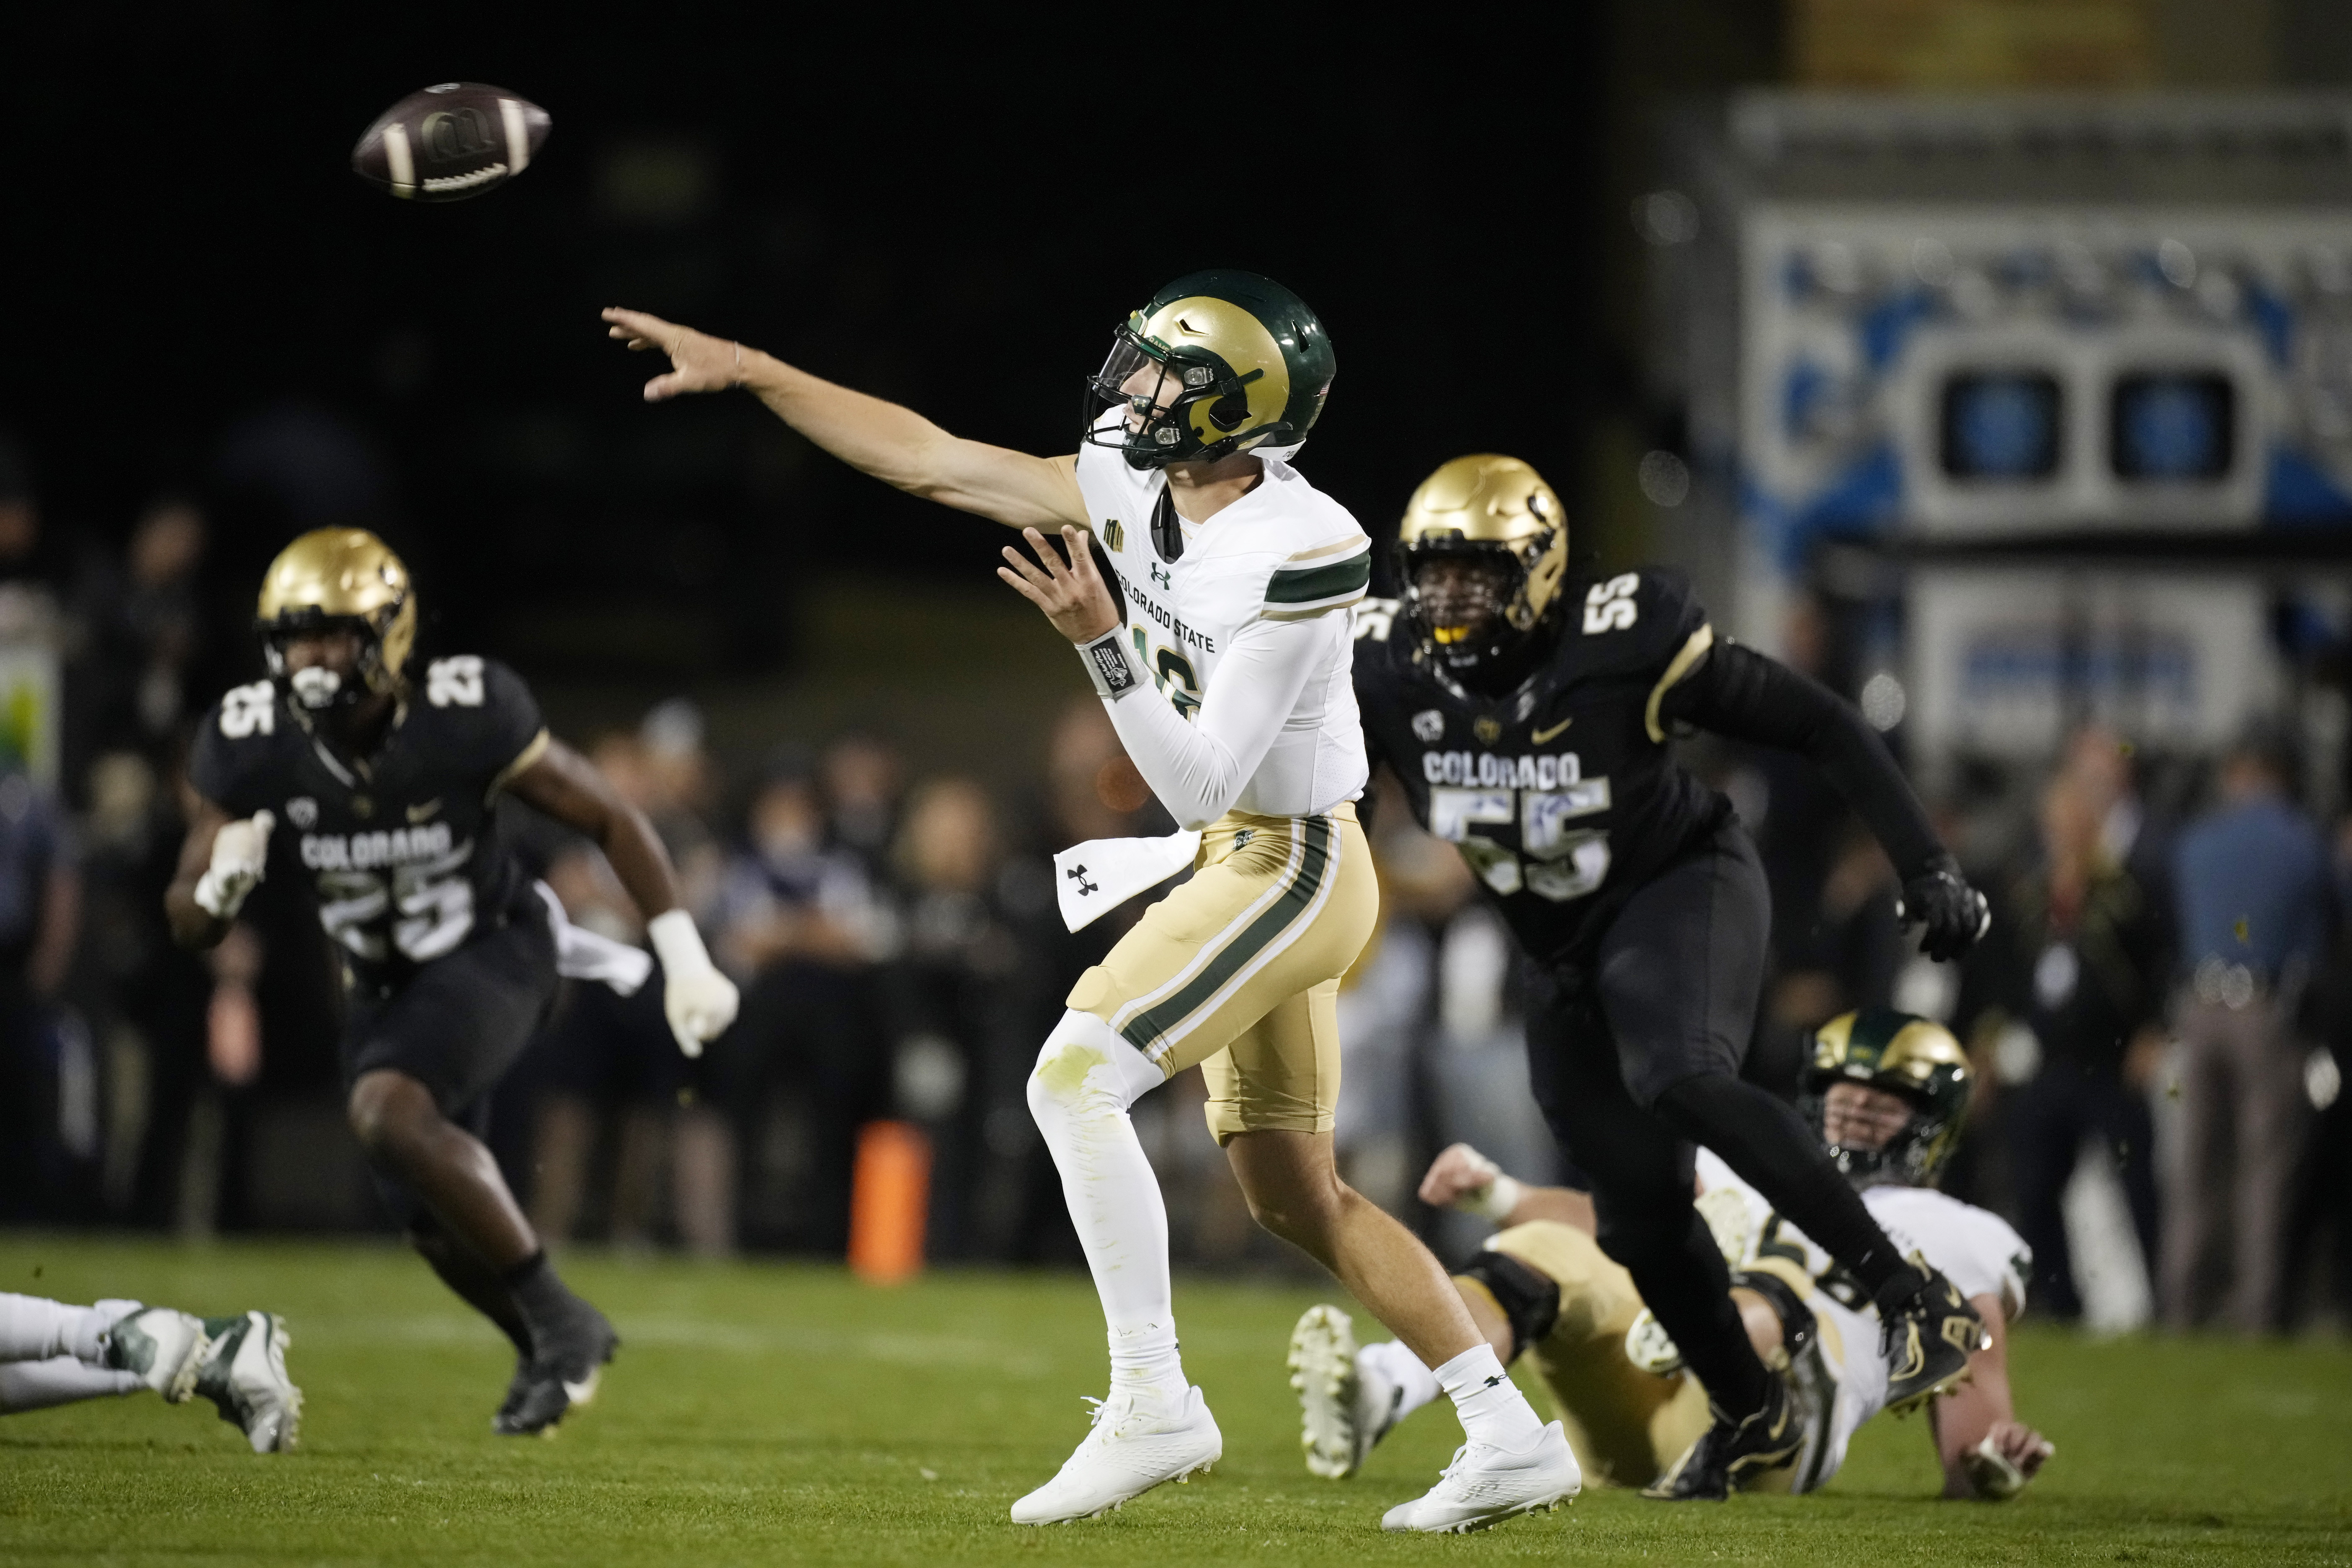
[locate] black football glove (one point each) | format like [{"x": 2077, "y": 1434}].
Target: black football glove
[{"x": 1955, "y": 916}]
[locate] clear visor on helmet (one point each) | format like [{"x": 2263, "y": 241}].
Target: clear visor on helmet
[{"x": 1147, "y": 385}]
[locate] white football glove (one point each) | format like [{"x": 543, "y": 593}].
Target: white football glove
[
  {"x": 240, "y": 855},
  {"x": 698, "y": 1001}
]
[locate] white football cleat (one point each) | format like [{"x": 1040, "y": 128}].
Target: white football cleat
[
  {"x": 1485, "y": 1486},
  {"x": 1344, "y": 1407},
  {"x": 164, "y": 1348},
  {"x": 1136, "y": 1444},
  {"x": 245, "y": 1377}
]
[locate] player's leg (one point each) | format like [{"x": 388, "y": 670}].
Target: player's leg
[
  {"x": 1627, "y": 1424},
  {"x": 428, "y": 1056},
  {"x": 1176, "y": 987},
  {"x": 1678, "y": 975},
  {"x": 53, "y": 1353},
  {"x": 1549, "y": 1290},
  {"x": 1272, "y": 1092},
  {"x": 1154, "y": 1426},
  {"x": 61, "y": 1380},
  {"x": 1641, "y": 1177}
]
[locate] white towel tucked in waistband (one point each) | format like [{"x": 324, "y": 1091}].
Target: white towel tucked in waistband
[
  {"x": 1096, "y": 877},
  {"x": 583, "y": 955}
]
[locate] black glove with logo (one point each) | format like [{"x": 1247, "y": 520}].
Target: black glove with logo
[{"x": 1955, "y": 916}]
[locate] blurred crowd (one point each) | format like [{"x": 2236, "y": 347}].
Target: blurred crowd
[{"x": 2157, "y": 1017}]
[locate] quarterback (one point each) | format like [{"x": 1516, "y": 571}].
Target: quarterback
[
  {"x": 54, "y": 1353},
  {"x": 1222, "y": 656},
  {"x": 1526, "y": 711},
  {"x": 387, "y": 789},
  {"x": 1887, "y": 1092}
]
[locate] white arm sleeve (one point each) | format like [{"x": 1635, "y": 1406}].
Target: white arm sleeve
[{"x": 1198, "y": 770}]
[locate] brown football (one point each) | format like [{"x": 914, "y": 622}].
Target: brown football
[{"x": 451, "y": 141}]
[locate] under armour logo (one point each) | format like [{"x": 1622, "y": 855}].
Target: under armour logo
[
  {"x": 1078, "y": 874},
  {"x": 1496, "y": 1380},
  {"x": 1162, "y": 576}
]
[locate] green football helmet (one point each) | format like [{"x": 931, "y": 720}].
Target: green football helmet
[
  {"x": 1901, "y": 1054},
  {"x": 1216, "y": 363}
]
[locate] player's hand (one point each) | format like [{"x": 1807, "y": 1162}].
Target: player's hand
[
  {"x": 1456, "y": 1172},
  {"x": 1955, "y": 916},
  {"x": 240, "y": 857},
  {"x": 2010, "y": 1455},
  {"x": 1071, "y": 593},
  {"x": 698, "y": 361},
  {"x": 698, "y": 1001}
]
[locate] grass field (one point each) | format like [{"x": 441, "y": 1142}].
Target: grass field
[{"x": 764, "y": 1413}]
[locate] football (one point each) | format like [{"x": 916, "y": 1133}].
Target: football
[{"x": 451, "y": 141}]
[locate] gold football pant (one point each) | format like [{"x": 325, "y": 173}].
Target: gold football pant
[
  {"x": 1625, "y": 1425},
  {"x": 1239, "y": 969}
]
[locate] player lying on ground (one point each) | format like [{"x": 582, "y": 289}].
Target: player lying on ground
[
  {"x": 1526, "y": 711},
  {"x": 448, "y": 953},
  {"x": 1238, "y": 575},
  {"x": 1887, "y": 1092},
  {"x": 51, "y": 1353}
]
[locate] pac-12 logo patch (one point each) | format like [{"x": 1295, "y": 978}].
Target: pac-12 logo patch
[
  {"x": 302, "y": 812},
  {"x": 1429, "y": 726}
]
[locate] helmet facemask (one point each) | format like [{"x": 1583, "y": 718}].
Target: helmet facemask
[
  {"x": 315, "y": 689},
  {"x": 1163, "y": 394},
  {"x": 1476, "y": 619}
]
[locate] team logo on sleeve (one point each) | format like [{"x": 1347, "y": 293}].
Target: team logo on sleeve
[
  {"x": 1429, "y": 726},
  {"x": 304, "y": 811},
  {"x": 1114, "y": 534}
]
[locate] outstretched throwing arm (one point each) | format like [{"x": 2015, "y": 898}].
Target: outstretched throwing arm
[{"x": 894, "y": 444}]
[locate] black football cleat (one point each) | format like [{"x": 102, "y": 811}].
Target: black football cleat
[
  {"x": 1731, "y": 1453},
  {"x": 517, "y": 1389},
  {"x": 1927, "y": 1333},
  {"x": 565, "y": 1366}
]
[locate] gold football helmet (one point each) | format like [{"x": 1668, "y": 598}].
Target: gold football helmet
[
  {"x": 336, "y": 578},
  {"x": 1494, "y": 508},
  {"x": 1901, "y": 1054}
]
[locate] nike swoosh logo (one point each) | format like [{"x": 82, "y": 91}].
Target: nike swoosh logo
[
  {"x": 1540, "y": 736},
  {"x": 419, "y": 813}
]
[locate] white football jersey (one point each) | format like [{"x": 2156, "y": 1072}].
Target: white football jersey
[
  {"x": 1283, "y": 553},
  {"x": 1975, "y": 1249}
]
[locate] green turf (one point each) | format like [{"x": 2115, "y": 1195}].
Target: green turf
[{"x": 772, "y": 1414}]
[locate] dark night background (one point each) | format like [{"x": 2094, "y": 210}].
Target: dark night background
[{"x": 951, "y": 217}]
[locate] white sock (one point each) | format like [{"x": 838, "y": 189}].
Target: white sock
[
  {"x": 1085, "y": 1079},
  {"x": 1392, "y": 1364},
  {"x": 1492, "y": 1408},
  {"x": 32, "y": 1328},
  {"x": 62, "y": 1380}
]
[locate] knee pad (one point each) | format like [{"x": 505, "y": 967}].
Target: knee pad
[
  {"x": 1083, "y": 1059},
  {"x": 1529, "y": 1302}
]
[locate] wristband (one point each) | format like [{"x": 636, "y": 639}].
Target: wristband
[
  {"x": 1107, "y": 666},
  {"x": 1495, "y": 1200},
  {"x": 677, "y": 943}
]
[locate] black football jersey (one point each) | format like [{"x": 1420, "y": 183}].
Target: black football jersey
[
  {"x": 402, "y": 850},
  {"x": 1561, "y": 794}
]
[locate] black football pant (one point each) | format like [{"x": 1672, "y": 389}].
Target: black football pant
[{"x": 1635, "y": 1060}]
